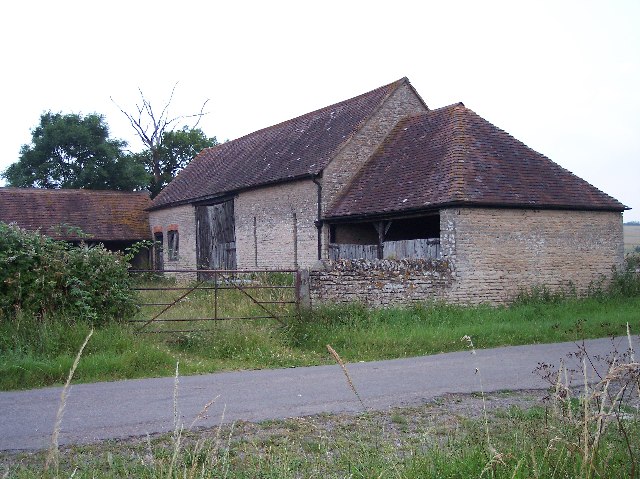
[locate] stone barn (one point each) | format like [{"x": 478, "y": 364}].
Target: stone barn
[
  {"x": 388, "y": 201},
  {"x": 116, "y": 219}
]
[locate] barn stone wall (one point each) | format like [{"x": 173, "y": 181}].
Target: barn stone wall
[
  {"x": 268, "y": 218},
  {"x": 496, "y": 253},
  {"x": 488, "y": 256},
  {"x": 275, "y": 226},
  {"x": 183, "y": 219}
]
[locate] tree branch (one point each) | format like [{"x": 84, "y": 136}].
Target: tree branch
[{"x": 151, "y": 133}]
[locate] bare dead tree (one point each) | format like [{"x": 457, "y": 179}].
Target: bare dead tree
[{"x": 151, "y": 128}]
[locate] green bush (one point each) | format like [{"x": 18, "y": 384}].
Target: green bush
[
  {"x": 626, "y": 281},
  {"x": 40, "y": 276}
]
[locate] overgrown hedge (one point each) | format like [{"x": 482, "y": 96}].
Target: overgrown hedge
[{"x": 42, "y": 277}]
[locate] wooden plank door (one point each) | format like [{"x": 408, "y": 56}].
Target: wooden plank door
[{"x": 216, "y": 236}]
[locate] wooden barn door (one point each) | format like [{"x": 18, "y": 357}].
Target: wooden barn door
[{"x": 216, "y": 236}]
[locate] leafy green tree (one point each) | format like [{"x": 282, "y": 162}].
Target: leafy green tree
[
  {"x": 173, "y": 152},
  {"x": 72, "y": 151}
]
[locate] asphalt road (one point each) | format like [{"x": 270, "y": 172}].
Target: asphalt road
[{"x": 138, "y": 407}]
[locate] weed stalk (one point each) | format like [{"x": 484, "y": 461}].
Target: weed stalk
[
  {"x": 341, "y": 363},
  {"x": 53, "y": 454}
]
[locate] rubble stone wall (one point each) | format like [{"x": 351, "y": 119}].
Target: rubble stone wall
[
  {"x": 380, "y": 282},
  {"x": 497, "y": 253},
  {"x": 275, "y": 226},
  {"x": 489, "y": 255}
]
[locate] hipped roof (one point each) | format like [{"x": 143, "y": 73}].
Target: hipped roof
[
  {"x": 452, "y": 156},
  {"x": 297, "y": 148},
  {"x": 101, "y": 215}
]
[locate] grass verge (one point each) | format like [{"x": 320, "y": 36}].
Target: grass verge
[
  {"x": 40, "y": 353},
  {"x": 444, "y": 439}
]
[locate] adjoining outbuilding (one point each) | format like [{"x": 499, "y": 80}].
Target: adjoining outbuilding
[
  {"x": 114, "y": 218},
  {"x": 387, "y": 201}
]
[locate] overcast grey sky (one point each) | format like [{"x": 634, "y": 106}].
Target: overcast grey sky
[{"x": 561, "y": 76}]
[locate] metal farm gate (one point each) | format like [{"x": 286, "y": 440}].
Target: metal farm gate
[{"x": 168, "y": 305}]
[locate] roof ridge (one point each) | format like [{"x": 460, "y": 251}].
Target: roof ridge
[
  {"x": 452, "y": 105},
  {"x": 458, "y": 151},
  {"x": 396, "y": 84},
  {"x": 433, "y": 112},
  {"x": 70, "y": 190}
]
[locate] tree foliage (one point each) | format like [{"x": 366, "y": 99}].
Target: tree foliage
[
  {"x": 167, "y": 150},
  {"x": 72, "y": 151},
  {"x": 46, "y": 278},
  {"x": 174, "y": 151}
]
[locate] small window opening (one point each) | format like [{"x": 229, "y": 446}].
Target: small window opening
[
  {"x": 332, "y": 233},
  {"x": 158, "y": 242},
  {"x": 172, "y": 242}
]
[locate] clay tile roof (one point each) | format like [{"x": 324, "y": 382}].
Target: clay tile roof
[
  {"x": 103, "y": 215},
  {"x": 452, "y": 156},
  {"x": 296, "y": 148}
]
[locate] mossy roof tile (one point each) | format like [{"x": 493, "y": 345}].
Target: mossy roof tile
[
  {"x": 101, "y": 215},
  {"x": 452, "y": 156},
  {"x": 300, "y": 147}
]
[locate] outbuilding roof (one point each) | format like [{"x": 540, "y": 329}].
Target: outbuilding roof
[
  {"x": 452, "y": 156},
  {"x": 100, "y": 215},
  {"x": 297, "y": 148}
]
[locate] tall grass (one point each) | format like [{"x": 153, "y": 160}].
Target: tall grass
[
  {"x": 532, "y": 443},
  {"x": 38, "y": 351},
  {"x": 35, "y": 353},
  {"x": 363, "y": 334},
  {"x": 587, "y": 432}
]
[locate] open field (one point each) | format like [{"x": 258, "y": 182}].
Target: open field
[{"x": 631, "y": 237}]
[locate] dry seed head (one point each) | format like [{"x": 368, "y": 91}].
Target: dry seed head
[
  {"x": 338, "y": 359},
  {"x": 52, "y": 455},
  {"x": 466, "y": 338},
  {"x": 203, "y": 412}
]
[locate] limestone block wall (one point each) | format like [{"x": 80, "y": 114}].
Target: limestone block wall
[
  {"x": 183, "y": 219},
  {"x": 379, "y": 283},
  {"x": 275, "y": 226},
  {"x": 488, "y": 256},
  {"x": 496, "y": 253}
]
